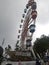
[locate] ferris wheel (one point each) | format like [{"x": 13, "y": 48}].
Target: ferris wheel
[{"x": 27, "y": 24}]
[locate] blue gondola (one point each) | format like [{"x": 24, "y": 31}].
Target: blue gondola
[
  {"x": 33, "y": 5},
  {"x": 32, "y": 28}
]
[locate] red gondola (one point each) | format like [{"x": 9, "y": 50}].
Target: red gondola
[
  {"x": 30, "y": 2},
  {"x": 34, "y": 14}
]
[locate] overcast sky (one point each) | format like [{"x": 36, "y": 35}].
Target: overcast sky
[{"x": 10, "y": 16}]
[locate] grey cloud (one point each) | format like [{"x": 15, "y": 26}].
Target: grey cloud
[
  {"x": 10, "y": 16},
  {"x": 43, "y": 11},
  {"x": 11, "y": 13}
]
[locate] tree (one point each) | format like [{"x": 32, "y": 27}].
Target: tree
[
  {"x": 1, "y": 55},
  {"x": 41, "y": 45}
]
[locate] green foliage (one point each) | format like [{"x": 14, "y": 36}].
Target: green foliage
[
  {"x": 1, "y": 59},
  {"x": 41, "y": 45}
]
